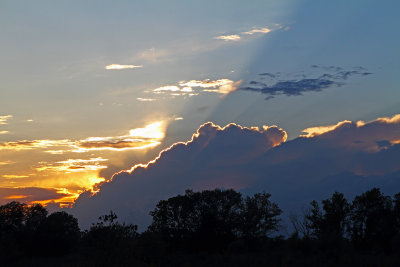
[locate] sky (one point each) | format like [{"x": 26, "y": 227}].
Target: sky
[{"x": 91, "y": 88}]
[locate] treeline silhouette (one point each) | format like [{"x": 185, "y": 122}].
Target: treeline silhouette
[{"x": 210, "y": 228}]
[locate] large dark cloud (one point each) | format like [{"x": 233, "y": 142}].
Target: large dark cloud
[
  {"x": 316, "y": 82},
  {"x": 348, "y": 157}
]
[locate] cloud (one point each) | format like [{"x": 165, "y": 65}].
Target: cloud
[
  {"x": 232, "y": 37},
  {"x": 192, "y": 87},
  {"x": 138, "y": 138},
  {"x": 349, "y": 157},
  {"x": 34, "y": 144},
  {"x": 145, "y": 99},
  {"x": 31, "y": 195},
  {"x": 122, "y": 67},
  {"x": 3, "y": 132},
  {"x": 74, "y": 165},
  {"x": 211, "y": 151},
  {"x": 254, "y": 31},
  {"x": 14, "y": 176},
  {"x": 264, "y": 30},
  {"x": 7, "y": 162},
  {"x": 4, "y": 119},
  {"x": 294, "y": 86}
]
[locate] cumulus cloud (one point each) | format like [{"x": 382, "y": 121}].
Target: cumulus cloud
[
  {"x": 297, "y": 84},
  {"x": 202, "y": 162},
  {"x": 4, "y": 119},
  {"x": 348, "y": 157},
  {"x": 121, "y": 67}
]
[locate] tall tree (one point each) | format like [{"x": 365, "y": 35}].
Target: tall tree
[{"x": 373, "y": 223}]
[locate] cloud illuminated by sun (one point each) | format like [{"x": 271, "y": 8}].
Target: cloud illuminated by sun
[
  {"x": 186, "y": 88},
  {"x": 232, "y": 37},
  {"x": 319, "y": 130},
  {"x": 5, "y": 118},
  {"x": 122, "y": 67}
]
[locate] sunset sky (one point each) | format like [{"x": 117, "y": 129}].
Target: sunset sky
[{"x": 91, "y": 88}]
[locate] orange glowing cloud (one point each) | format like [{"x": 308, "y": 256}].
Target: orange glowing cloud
[
  {"x": 74, "y": 165},
  {"x": 34, "y": 144},
  {"x": 368, "y": 136},
  {"x": 34, "y": 195},
  {"x": 319, "y": 130},
  {"x": 139, "y": 138}
]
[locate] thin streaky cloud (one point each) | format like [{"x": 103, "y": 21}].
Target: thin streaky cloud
[
  {"x": 145, "y": 99},
  {"x": 122, "y": 67},
  {"x": 264, "y": 30},
  {"x": 3, "y": 132},
  {"x": 232, "y": 37},
  {"x": 14, "y": 176},
  {"x": 138, "y": 138},
  {"x": 4, "y": 119}
]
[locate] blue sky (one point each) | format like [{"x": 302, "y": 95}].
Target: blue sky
[{"x": 183, "y": 63}]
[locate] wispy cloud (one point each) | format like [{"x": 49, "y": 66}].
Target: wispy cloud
[
  {"x": 34, "y": 195},
  {"x": 248, "y": 34},
  {"x": 122, "y": 67},
  {"x": 138, "y": 138},
  {"x": 5, "y": 118},
  {"x": 34, "y": 144},
  {"x": 232, "y": 37},
  {"x": 295, "y": 84},
  {"x": 14, "y": 176},
  {"x": 192, "y": 87},
  {"x": 4, "y": 132},
  {"x": 264, "y": 30},
  {"x": 74, "y": 165},
  {"x": 145, "y": 99},
  {"x": 7, "y": 162}
]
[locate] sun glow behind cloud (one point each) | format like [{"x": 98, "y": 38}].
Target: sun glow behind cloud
[{"x": 60, "y": 170}]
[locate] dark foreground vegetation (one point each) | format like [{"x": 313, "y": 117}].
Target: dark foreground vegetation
[{"x": 210, "y": 228}]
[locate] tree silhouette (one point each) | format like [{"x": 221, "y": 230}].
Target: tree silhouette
[
  {"x": 331, "y": 222},
  {"x": 373, "y": 223},
  {"x": 59, "y": 233},
  {"x": 210, "y": 220},
  {"x": 259, "y": 216}
]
